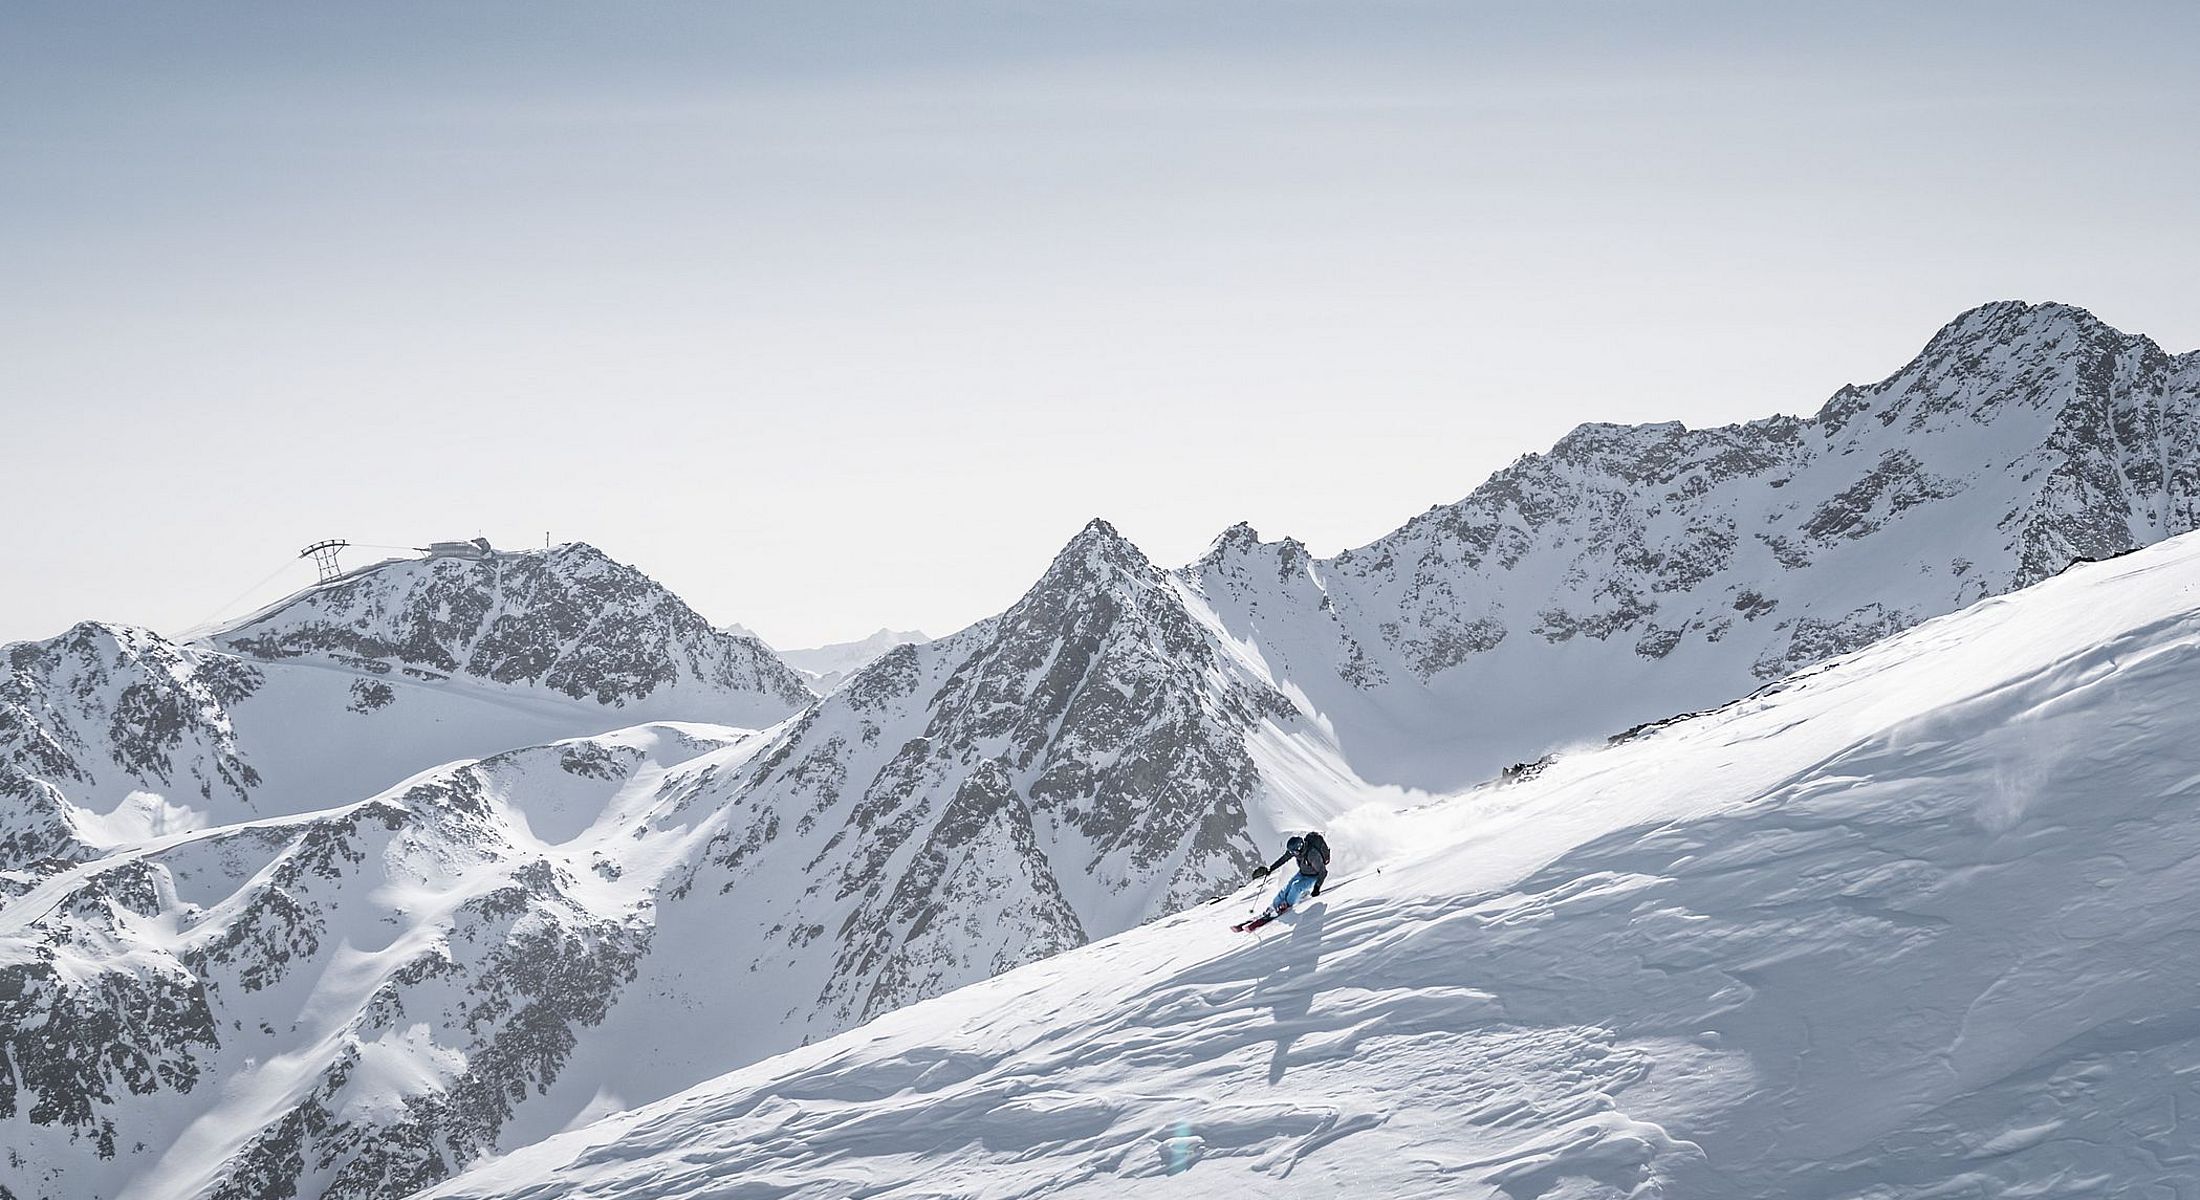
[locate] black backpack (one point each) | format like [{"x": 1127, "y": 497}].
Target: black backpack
[{"x": 1313, "y": 855}]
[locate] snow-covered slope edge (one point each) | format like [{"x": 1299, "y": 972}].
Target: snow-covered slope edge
[{"x": 1919, "y": 921}]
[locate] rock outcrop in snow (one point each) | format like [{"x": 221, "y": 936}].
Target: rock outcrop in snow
[
  {"x": 568, "y": 621},
  {"x": 1070, "y": 767},
  {"x": 347, "y": 1003},
  {"x": 117, "y": 722},
  {"x": 109, "y": 734}
]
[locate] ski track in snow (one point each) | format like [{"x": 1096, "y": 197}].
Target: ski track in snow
[{"x": 1920, "y": 923}]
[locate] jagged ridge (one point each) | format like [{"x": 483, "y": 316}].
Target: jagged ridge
[
  {"x": 1636, "y": 571},
  {"x": 568, "y": 619}
]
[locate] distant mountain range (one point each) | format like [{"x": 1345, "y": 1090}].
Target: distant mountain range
[
  {"x": 1637, "y": 571},
  {"x": 446, "y": 854},
  {"x": 827, "y": 667}
]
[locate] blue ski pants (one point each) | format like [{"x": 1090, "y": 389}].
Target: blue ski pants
[{"x": 1294, "y": 891}]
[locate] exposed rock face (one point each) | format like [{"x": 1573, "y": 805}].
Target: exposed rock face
[
  {"x": 1059, "y": 772},
  {"x": 102, "y": 712},
  {"x": 349, "y": 1004},
  {"x": 109, "y": 733},
  {"x": 1654, "y": 569},
  {"x": 567, "y": 620}
]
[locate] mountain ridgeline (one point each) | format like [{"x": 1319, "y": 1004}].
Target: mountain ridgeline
[
  {"x": 109, "y": 734},
  {"x": 567, "y": 621},
  {"x": 444, "y": 855},
  {"x": 1633, "y": 572}
]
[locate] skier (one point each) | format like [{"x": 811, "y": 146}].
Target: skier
[{"x": 1313, "y": 855}]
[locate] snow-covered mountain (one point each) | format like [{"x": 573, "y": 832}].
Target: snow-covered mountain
[
  {"x": 1077, "y": 764},
  {"x": 827, "y": 667},
  {"x": 110, "y": 734},
  {"x": 1085, "y": 761},
  {"x": 340, "y": 1003},
  {"x": 1913, "y": 923},
  {"x": 368, "y": 997},
  {"x": 1635, "y": 572},
  {"x": 566, "y": 622},
  {"x": 442, "y": 740},
  {"x": 242, "y": 954}
]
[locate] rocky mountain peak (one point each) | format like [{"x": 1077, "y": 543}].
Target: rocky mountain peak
[
  {"x": 1100, "y": 589},
  {"x": 2006, "y": 324},
  {"x": 1231, "y": 546},
  {"x": 2047, "y": 357},
  {"x": 1238, "y": 555},
  {"x": 1098, "y": 559},
  {"x": 569, "y": 619},
  {"x": 1624, "y": 451},
  {"x": 1236, "y": 537},
  {"x": 1099, "y": 545},
  {"x": 2023, "y": 437}
]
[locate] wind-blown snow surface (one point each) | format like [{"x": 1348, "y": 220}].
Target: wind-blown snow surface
[{"x": 1921, "y": 921}]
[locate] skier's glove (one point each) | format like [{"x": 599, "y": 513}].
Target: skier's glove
[{"x": 1260, "y": 872}]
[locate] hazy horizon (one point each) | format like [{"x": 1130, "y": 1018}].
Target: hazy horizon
[{"x": 834, "y": 318}]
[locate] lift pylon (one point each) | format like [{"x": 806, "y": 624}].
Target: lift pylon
[{"x": 323, "y": 555}]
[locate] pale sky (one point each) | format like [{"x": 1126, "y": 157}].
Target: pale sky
[{"x": 833, "y": 317}]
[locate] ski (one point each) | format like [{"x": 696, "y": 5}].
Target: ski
[{"x": 1252, "y": 923}]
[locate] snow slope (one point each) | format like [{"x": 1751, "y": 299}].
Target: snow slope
[{"x": 1917, "y": 922}]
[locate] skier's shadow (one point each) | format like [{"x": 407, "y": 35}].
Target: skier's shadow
[{"x": 1290, "y": 985}]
